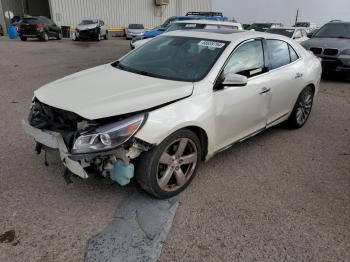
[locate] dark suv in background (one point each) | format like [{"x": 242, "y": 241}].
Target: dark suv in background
[
  {"x": 332, "y": 44},
  {"x": 38, "y": 27}
]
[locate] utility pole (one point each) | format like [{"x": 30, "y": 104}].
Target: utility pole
[{"x": 296, "y": 17}]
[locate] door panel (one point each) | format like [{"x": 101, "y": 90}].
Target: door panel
[
  {"x": 241, "y": 111},
  {"x": 285, "y": 78}
]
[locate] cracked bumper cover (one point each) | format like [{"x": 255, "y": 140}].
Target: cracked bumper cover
[{"x": 55, "y": 140}]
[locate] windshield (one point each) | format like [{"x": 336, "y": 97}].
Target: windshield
[
  {"x": 173, "y": 57},
  {"x": 334, "y": 30},
  {"x": 88, "y": 22},
  {"x": 136, "y": 26},
  {"x": 279, "y": 31}
]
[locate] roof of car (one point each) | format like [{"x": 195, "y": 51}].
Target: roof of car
[{"x": 207, "y": 22}]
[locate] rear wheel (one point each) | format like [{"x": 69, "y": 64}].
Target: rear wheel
[
  {"x": 167, "y": 169},
  {"x": 23, "y": 38},
  {"x": 302, "y": 108},
  {"x": 45, "y": 37}
]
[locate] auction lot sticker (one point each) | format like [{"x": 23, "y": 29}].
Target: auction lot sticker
[{"x": 211, "y": 44}]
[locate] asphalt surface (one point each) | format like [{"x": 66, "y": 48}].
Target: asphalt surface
[{"x": 283, "y": 195}]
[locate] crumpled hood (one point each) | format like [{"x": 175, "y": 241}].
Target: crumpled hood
[
  {"x": 86, "y": 27},
  {"x": 106, "y": 91},
  {"x": 336, "y": 43}
]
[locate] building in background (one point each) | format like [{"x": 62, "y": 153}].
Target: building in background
[{"x": 115, "y": 13}]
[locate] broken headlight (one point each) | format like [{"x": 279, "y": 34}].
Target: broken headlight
[{"x": 108, "y": 136}]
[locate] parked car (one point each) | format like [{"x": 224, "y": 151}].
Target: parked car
[
  {"x": 192, "y": 25},
  {"x": 296, "y": 33},
  {"x": 246, "y": 26},
  {"x": 307, "y": 25},
  {"x": 39, "y": 27},
  {"x": 90, "y": 29},
  {"x": 135, "y": 30},
  {"x": 216, "y": 16},
  {"x": 332, "y": 43},
  {"x": 262, "y": 27},
  {"x": 157, "y": 119}
]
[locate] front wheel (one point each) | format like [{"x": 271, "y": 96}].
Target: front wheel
[
  {"x": 59, "y": 36},
  {"x": 167, "y": 169},
  {"x": 98, "y": 37},
  {"x": 302, "y": 108},
  {"x": 106, "y": 35}
]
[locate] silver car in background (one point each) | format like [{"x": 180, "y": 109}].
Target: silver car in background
[{"x": 135, "y": 30}]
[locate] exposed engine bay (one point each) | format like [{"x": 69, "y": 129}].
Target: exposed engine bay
[{"x": 105, "y": 145}]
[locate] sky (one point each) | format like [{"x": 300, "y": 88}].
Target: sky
[{"x": 284, "y": 11}]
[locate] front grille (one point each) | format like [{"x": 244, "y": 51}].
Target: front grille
[
  {"x": 47, "y": 117},
  {"x": 330, "y": 51},
  {"x": 316, "y": 50}
]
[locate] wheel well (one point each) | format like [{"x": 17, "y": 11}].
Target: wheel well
[
  {"x": 313, "y": 87},
  {"x": 203, "y": 138}
]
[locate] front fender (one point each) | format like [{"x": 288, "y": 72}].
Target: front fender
[{"x": 192, "y": 111}]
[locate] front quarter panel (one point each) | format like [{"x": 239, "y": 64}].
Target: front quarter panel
[{"x": 195, "y": 110}]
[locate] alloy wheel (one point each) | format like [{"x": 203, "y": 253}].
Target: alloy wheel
[
  {"x": 177, "y": 164},
  {"x": 304, "y": 107}
]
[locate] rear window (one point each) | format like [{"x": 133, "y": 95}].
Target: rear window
[
  {"x": 136, "y": 26},
  {"x": 30, "y": 20},
  {"x": 280, "y": 31}
]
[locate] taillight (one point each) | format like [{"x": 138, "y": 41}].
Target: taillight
[{"x": 39, "y": 27}]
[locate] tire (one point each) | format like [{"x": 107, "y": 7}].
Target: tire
[
  {"x": 180, "y": 165},
  {"x": 106, "y": 35},
  {"x": 45, "y": 37},
  {"x": 59, "y": 36},
  {"x": 98, "y": 37},
  {"x": 302, "y": 108},
  {"x": 23, "y": 38}
]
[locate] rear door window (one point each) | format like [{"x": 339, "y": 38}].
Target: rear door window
[{"x": 279, "y": 53}]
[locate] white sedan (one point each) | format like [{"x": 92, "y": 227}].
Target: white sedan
[
  {"x": 298, "y": 34},
  {"x": 160, "y": 110}
]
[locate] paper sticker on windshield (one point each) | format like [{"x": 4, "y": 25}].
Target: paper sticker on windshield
[{"x": 211, "y": 44}]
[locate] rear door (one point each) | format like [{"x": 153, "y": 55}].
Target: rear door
[{"x": 285, "y": 76}]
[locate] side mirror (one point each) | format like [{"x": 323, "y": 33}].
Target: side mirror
[{"x": 231, "y": 79}]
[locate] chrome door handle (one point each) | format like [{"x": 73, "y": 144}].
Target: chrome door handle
[
  {"x": 265, "y": 90},
  {"x": 298, "y": 75}
]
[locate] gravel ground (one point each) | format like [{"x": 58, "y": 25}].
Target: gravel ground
[{"x": 282, "y": 195}]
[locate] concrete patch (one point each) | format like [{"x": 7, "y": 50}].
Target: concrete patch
[{"x": 140, "y": 226}]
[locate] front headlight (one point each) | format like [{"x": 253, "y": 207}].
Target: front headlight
[
  {"x": 108, "y": 136},
  {"x": 346, "y": 52}
]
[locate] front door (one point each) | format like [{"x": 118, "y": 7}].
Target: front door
[{"x": 242, "y": 110}]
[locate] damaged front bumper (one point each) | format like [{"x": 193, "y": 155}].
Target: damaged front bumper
[{"x": 55, "y": 140}]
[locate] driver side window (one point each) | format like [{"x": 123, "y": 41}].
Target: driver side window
[{"x": 247, "y": 60}]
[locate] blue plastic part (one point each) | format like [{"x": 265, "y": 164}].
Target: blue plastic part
[
  {"x": 12, "y": 31},
  {"x": 122, "y": 173}
]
